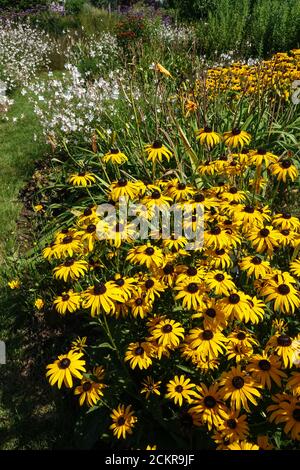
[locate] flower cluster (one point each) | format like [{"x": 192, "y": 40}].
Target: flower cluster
[
  {"x": 226, "y": 312},
  {"x": 24, "y": 51}
]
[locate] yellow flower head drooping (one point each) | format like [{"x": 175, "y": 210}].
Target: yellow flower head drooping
[
  {"x": 39, "y": 304},
  {"x": 123, "y": 421},
  {"x": 161, "y": 69}
]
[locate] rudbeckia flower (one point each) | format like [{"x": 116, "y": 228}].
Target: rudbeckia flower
[
  {"x": 123, "y": 421},
  {"x": 242, "y": 445},
  {"x": 209, "y": 343},
  {"x": 208, "y": 137},
  {"x": 266, "y": 369},
  {"x": 238, "y": 387},
  {"x": 180, "y": 389},
  {"x": 71, "y": 269},
  {"x": 139, "y": 354},
  {"x": 82, "y": 179},
  {"x": 150, "y": 387},
  {"x": 101, "y": 296},
  {"x": 64, "y": 368},
  {"x": 168, "y": 332},
  {"x": 67, "y": 302},
  {"x": 287, "y": 411},
  {"x": 284, "y": 169},
  {"x": 236, "y": 138},
  {"x": 157, "y": 151},
  {"x": 148, "y": 255},
  {"x": 285, "y": 296},
  {"x": 89, "y": 392},
  {"x": 285, "y": 347},
  {"x": 260, "y": 156},
  {"x": 208, "y": 406},
  {"x": 115, "y": 156}
]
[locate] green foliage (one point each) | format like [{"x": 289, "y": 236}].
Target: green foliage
[
  {"x": 74, "y": 7},
  {"x": 22, "y": 4}
]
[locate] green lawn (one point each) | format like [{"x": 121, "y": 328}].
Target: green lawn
[{"x": 18, "y": 152}]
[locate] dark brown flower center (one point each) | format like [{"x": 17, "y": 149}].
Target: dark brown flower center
[
  {"x": 122, "y": 182},
  {"x": 232, "y": 423},
  {"x": 64, "y": 363},
  {"x": 91, "y": 228},
  {"x": 168, "y": 269},
  {"x": 210, "y": 401},
  {"x": 120, "y": 282},
  {"x": 67, "y": 239},
  {"x": 256, "y": 260},
  {"x": 215, "y": 231},
  {"x": 238, "y": 382},
  {"x": 149, "y": 283},
  {"x": 284, "y": 341},
  {"x": 65, "y": 297},
  {"x": 192, "y": 288},
  {"x": 155, "y": 194},
  {"x": 191, "y": 271},
  {"x": 296, "y": 414},
  {"x": 241, "y": 335},
  {"x": 285, "y": 232},
  {"x": 283, "y": 289},
  {"x": 149, "y": 251},
  {"x": 219, "y": 277},
  {"x": 139, "y": 351},
  {"x": 264, "y": 232},
  {"x": 234, "y": 298},
  {"x": 157, "y": 144},
  {"x": 249, "y": 209},
  {"x": 261, "y": 151},
  {"x": 69, "y": 262},
  {"x": 199, "y": 198},
  {"x": 220, "y": 252},
  {"x": 286, "y": 164},
  {"x": 236, "y": 131},
  {"x": 286, "y": 215},
  {"x": 178, "y": 388},
  {"x": 207, "y": 335},
  {"x": 139, "y": 302},
  {"x": 99, "y": 288},
  {"x": 233, "y": 190},
  {"x": 87, "y": 212},
  {"x": 121, "y": 421},
  {"x": 264, "y": 364},
  {"x": 86, "y": 386},
  {"x": 181, "y": 186},
  {"x": 167, "y": 328},
  {"x": 210, "y": 312},
  {"x": 114, "y": 151},
  {"x": 207, "y": 129}
]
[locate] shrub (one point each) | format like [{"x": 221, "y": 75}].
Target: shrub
[
  {"x": 74, "y": 7},
  {"x": 22, "y": 4}
]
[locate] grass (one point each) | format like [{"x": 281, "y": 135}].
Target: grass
[{"x": 18, "y": 153}]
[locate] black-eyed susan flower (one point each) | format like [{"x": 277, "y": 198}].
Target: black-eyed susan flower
[
  {"x": 68, "y": 245},
  {"x": 212, "y": 314},
  {"x": 285, "y": 220},
  {"x": 208, "y": 137},
  {"x": 219, "y": 258},
  {"x": 219, "y": 282},
  {"x": 152, "y": 288},
  {"x": 161, "y": 69},
  {"x": 115, "y": 156},
  {"x": 250, "y": 216},
  {"x": 284, "y": 169},
  {"x": 238, "y": 351},
  {"x": 139, "y": 303},
  {"x": 50, "y": 251},
  {"x": 287, "y": 411},
  {"x": 265, "y": 369},
  {"x": 208, "y": 406},
  {"x": 39, "y": 304},
  {"x": 101, "y": 296},
  {"x": 89, "y": 392},
  {"x": 79, "y": 344},
  {"x": 191, "y": 294},
  {"x": 67, "y": 302},
  {"x": 123, "y": 188},
  {"x": 180, "y": 191},
  {"x": 126, "y": 285},
  {"x": 285, "y": 347},
  {"x": 157, "y": 151},
  {"x": 234, "y": 426},
  {"x": 265, "y": 239},
  {"x": 206, "y": 343},
  {"x": 236, "y": 305},
  {"x": 285, "y": 296},
  {"x": 14, "y": 284},
  {"x": 64, "y": 368},
  {"x": 239, "y": 388},
  {"x": 216, "y": 238},
  {"x": 293, "y": 383},
  {"x": 168, "y": 332},
  {"x": 264, "y": 443},
  {"x": 180, "y": 388},
  {"x": 260, "y": 156},
  {"x": 148, "y": 255},
  {"x": 71, "y": 269},
  {"x": 39, "y": 208},
  {"x": 242, "y": 445},
  {"x": 139, "y": 355},
  {"x": 82, "y": 179},
  {"x": 255, "y": 266},
  {"x": 123, "y": 421},
  {"x": 236, "y": 138},
  {"x": 150, "y": 387}
]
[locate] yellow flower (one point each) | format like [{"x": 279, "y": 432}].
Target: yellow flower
[
  {"x": 208, "y": 137},
  {"x": 39, "y": 304},
  {"x": 157, "y": 151},
  {"x": 138, "y": 354},
  {"x": 236, "y": 138},
  {"x": 38, "y": 208},
  {"x": 179, "y": 389},
  {"x": 82, "y": 179},
  {"x": 64, "y": 368},
  {"x": 14, "y": 284},
  {"x": 149, "y": 387},
  {"x": 161, "y": 69},
  {"x": 123, "y": 421}
]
